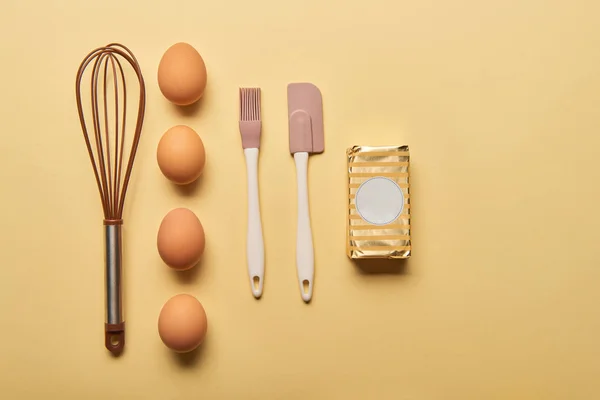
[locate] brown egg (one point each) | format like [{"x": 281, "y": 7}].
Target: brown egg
[
  {"x": 180, "y": 239},
  {"x": 182, "y": 74},
  {"x": 182, "y": 323},
  {"x": 181, "y": 155}
]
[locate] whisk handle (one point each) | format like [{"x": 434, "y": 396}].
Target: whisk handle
[{"x": 114, "y": 327}]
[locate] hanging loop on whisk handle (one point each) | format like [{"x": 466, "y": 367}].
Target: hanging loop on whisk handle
[
  {"x": 114, "y": 337},
  {"x": 114, "y": 326}
]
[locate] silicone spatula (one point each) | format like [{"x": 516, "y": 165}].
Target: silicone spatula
[{"x": 305, "y": 118}]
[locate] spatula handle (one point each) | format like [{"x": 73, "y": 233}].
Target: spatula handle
[
  {"x": 255, "y": 251},
  {"x": 305, "y": 263}
]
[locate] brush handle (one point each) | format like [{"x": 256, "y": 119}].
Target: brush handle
[
  {"x": 255, "y": 248},
  {"x": 305, "y": 263},
  {"x": 114, "y": 327}
]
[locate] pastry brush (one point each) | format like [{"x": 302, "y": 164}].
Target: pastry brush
[{"x": 250, "y": 127}]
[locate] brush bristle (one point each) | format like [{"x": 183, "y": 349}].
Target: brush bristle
[{"x": 249, "y": 104}]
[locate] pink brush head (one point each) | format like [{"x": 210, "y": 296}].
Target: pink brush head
[
  {"x": 305, "y": 115},
  {"x": 250, "y": 122}
]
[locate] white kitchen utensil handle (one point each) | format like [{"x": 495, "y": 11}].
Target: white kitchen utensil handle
[
  {"x": 305, "y": 262},
  {"x": 255, "y": 249}
]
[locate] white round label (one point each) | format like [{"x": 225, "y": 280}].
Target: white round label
[{"x": 379, "y": 200}]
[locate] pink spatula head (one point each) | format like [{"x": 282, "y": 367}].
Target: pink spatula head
[{"x": 305, "y": 115}]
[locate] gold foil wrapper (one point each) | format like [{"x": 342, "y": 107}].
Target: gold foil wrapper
[{"x": 390, "y": 240}]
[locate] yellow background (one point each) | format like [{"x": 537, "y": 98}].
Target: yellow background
[{"x": 499, "y": 103}]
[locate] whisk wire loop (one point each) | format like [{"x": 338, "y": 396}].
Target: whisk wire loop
[{"x": 107, "y": 150}]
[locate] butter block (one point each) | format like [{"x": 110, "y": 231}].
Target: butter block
[{"x": 378, "y": 223}]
